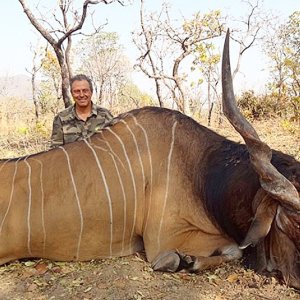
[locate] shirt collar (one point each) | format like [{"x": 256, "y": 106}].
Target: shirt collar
[{"x": 93, "y": 112}]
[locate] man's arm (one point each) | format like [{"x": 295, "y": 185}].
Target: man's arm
[{"x": 57, "y": 136}]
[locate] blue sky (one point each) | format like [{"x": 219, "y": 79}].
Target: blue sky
[{"x": 17, "y": 33}]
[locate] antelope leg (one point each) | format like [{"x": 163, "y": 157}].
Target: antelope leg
[
  {"x": 225, "y": 254},
  {"x": 174, "y": 261}
]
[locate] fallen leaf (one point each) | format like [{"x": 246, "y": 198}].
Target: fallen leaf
[
  {"x": 212, "y": 278},
  {"x": 41, "y": 268},
  {"x": 87, "y": 289},
  {"x": 233, "y": 278},
  {"x": 138, "y": 259},
  {"x": 77, "y": 282},
  {"x": 29, "y": 263},
  {"x": 56, "y": 269},
  {"x": 134, "y": 278},
  {"x": 40, "y": 283}
]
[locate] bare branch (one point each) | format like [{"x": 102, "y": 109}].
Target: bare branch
[{"x": 37, "y": 25}]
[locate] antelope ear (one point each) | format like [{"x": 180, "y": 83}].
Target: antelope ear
[
  {"x": 265, "y": 212},
  {"x": 289, "y": 223}
]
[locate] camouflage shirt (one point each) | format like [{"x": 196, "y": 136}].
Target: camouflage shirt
[{"x": 67, "y": 127}]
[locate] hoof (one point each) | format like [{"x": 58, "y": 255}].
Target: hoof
[
  {"x": 166, "y": 262},
  {"x": 173, "y": 261}
]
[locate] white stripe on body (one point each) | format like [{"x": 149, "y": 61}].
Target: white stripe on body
[
  {"x": 103, "y": 139},
  {"x": 151, "y": 170},
  {"x": 42, "y": 206},
  {"x": 29, "y": 207},
  {"x": 77, "y": 200},
  {"x": 107, "y": 195},
  {"x": 167, "y": 185},
  {"x": 132, "y": 178},
  {"x": 11, "y": 195},
  {"x": 113, "y": 156},
  {"x": 137, "y": 150}
]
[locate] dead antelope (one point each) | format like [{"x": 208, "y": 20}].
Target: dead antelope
[{"x": 159, "y": 181}]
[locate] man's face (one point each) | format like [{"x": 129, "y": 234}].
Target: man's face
[{"x": 81, "y": 93}]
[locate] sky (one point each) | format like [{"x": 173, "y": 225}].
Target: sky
[{"x": 17, "y": 34}]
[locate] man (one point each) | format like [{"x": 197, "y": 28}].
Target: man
[{"x": 81, "y": 120}]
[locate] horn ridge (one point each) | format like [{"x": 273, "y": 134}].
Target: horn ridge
[{"x": 271, "y": 180}]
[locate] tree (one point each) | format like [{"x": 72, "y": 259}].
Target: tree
[
  {"x": 247, "y": 32},
  {"x": 164, "y": 45},
  {"x": 56, "y": 37},
  {"x": 130, "y": 96},
  {"x": 101, "y": 57},
  {"x": 206, "y": 61},
  {"x": 50, "y": 93},
  {"x": 283, "y": 49},
  {"x": 249, "y": 29},
  {"x": 36, "y": 66}
]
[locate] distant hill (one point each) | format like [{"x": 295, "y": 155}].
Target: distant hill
[{"x": 17, "y": 86}]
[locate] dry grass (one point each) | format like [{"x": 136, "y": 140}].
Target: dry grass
[
  {"x": 273, "y": 132},
  {"x": 20, "y": 135}
]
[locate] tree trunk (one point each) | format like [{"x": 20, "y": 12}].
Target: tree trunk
[
  {"x": 35, "y": 98},
  {"x": 65, "y": 84}
]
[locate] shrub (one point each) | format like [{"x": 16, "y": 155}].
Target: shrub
[{"x": 265, "y": 106}]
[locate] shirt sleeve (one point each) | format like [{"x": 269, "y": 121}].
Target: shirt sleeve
[{"x": 57, "y": 136}]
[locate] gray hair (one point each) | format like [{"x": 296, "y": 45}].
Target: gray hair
[{"x": 81, "y": 77}]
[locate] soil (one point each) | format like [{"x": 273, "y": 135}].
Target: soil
[{"x": 132, "y": 278}]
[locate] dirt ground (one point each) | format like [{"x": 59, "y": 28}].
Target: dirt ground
[{"x": 132, "y": 278}]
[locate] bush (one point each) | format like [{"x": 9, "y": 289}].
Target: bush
[{"x": 265, "y": 106}]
